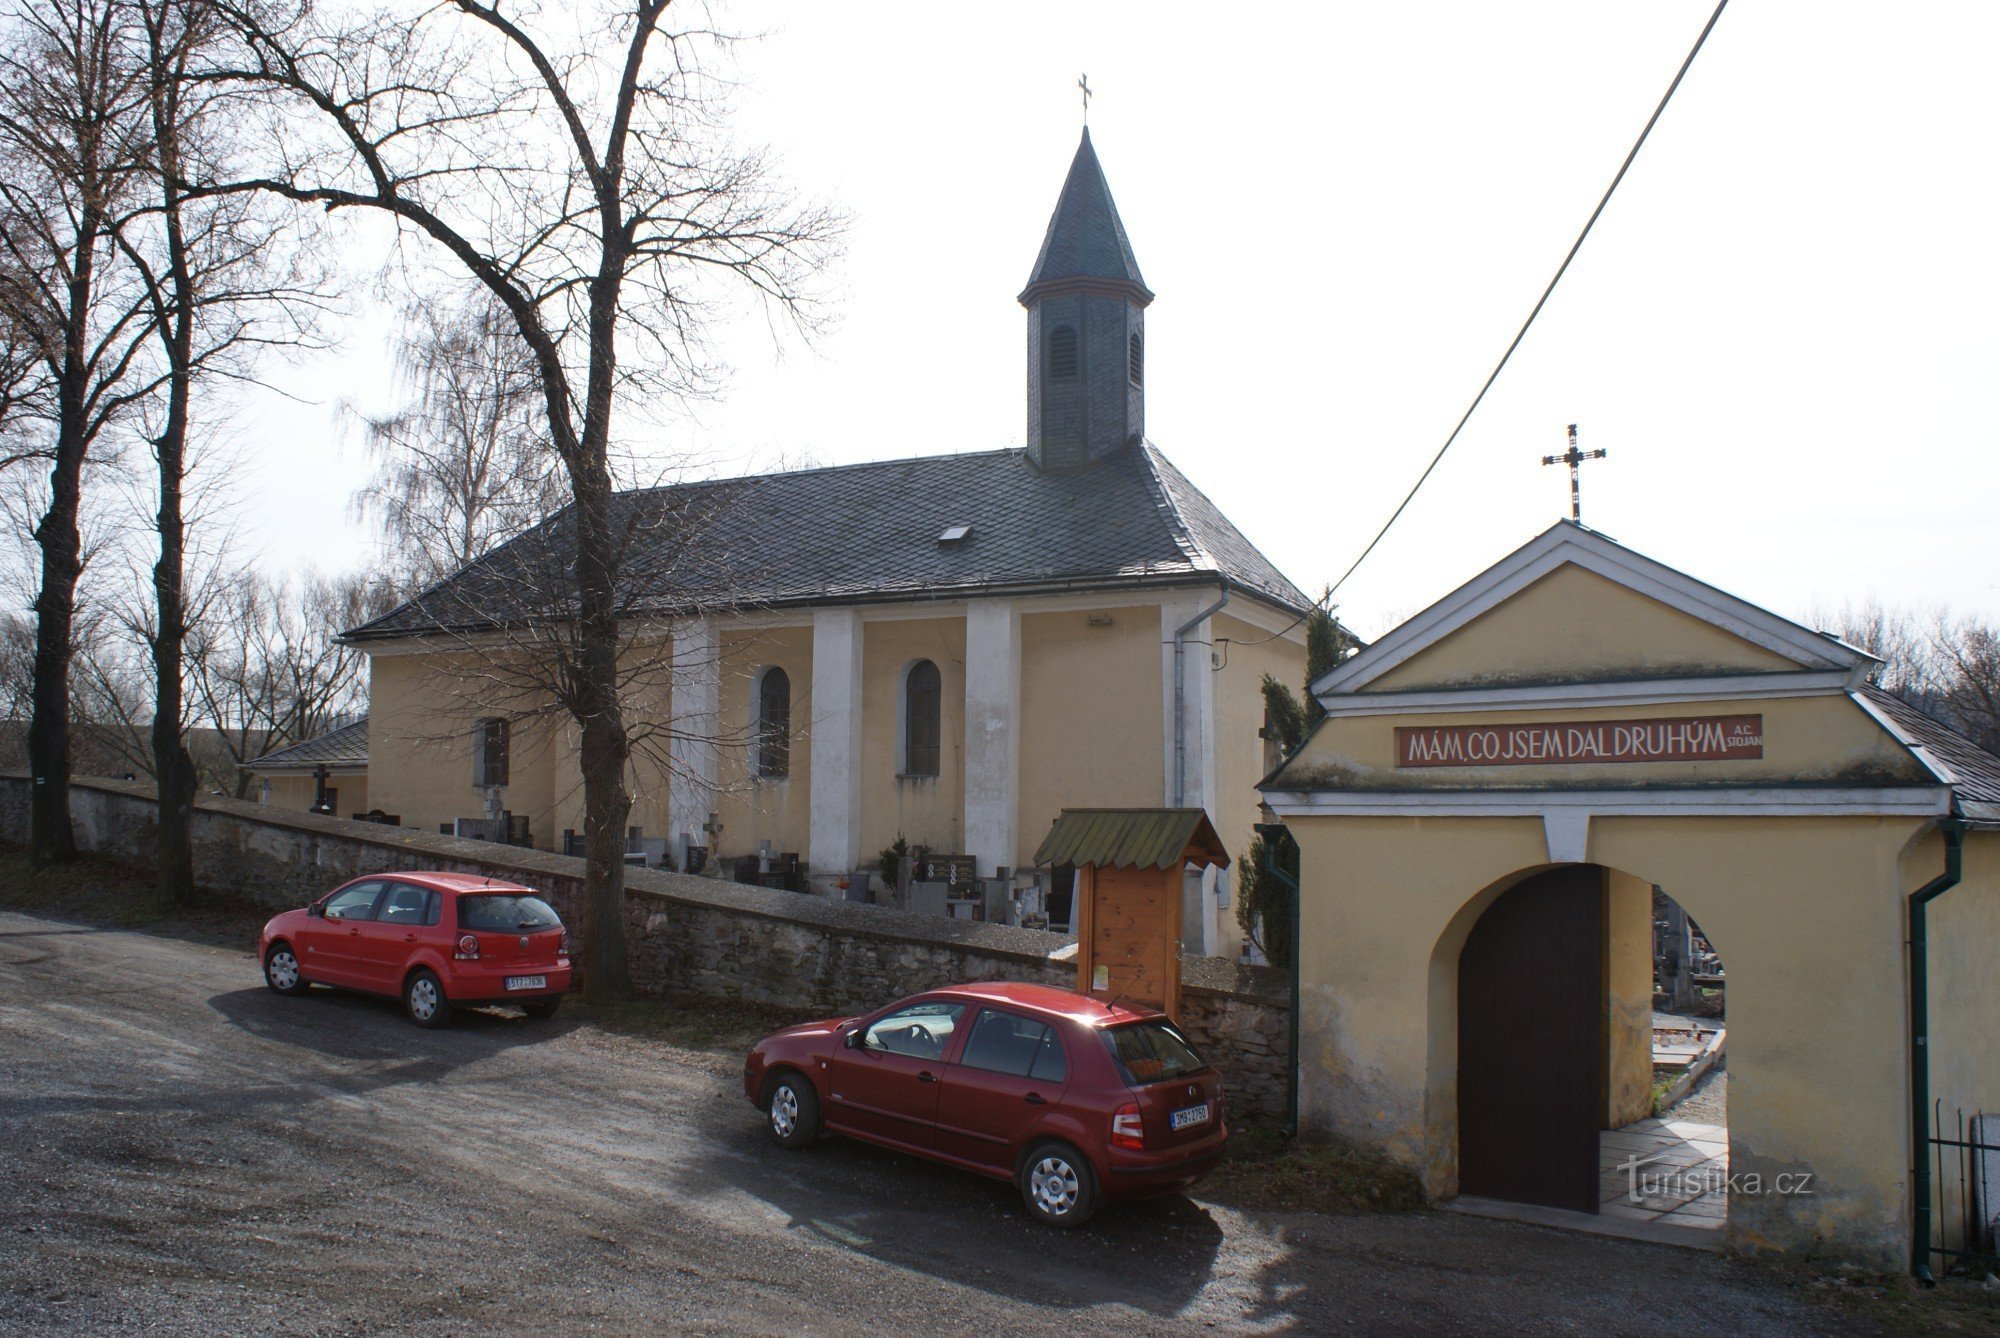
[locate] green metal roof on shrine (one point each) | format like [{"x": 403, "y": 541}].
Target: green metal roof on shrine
[{"x": 1132, "y": 838}]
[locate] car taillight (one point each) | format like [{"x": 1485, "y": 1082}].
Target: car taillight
[
  {"x": 1127, "y": 1130},
  {"x": 564, "y": 949},
  {"x": 468, "y": 948}
]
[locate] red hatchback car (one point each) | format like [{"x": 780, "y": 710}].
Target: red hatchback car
[
  {"x": 431, "y": 939},
  {"x": 1077, "y": 1102}
]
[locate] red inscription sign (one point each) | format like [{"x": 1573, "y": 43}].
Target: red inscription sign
[{"x": 1701, "y": 738}]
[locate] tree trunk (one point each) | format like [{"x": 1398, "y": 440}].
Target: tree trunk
[
  {"x": 172, "y": 763},
  {"x": 606, "y": 803},
  {"x": 51, "y": 837},
  {"x": 173, "y": 766}
]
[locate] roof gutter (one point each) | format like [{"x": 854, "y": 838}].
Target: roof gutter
[
  {"x": 1953, "y": 831},
  {"x": 1180, "y": 694}
]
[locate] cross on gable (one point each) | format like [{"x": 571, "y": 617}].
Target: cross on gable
[{"x": 1574, "y": 458}]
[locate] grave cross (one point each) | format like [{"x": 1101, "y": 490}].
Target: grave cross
[{"x": 1574, "y": 459}]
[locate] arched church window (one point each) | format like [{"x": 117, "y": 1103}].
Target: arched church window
[
  {"x": 922, "y": 729},
  {"x": 774, "y": 724},
  {"x": 1136, "y": 365},
  {"x": 1062, "y": 352}
]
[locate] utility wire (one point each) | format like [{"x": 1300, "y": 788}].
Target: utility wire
[{"x": 1546, "y": 293}]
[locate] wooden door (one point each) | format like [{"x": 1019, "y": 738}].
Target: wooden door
[
  {"x": 1531, "y": 1007},
  {"x": 1132, "y": 933}
]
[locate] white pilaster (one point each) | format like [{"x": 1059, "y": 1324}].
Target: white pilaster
[
  {"x": 835, "y": 833},
  {"x": 695, "y": 724},
  {"x": 992, "y": 732},
  {"x": 1190, "y": 749},
  {"x": 1196, "y": 698}
]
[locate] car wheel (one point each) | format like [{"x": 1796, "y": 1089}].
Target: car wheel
[
  {"x": 541, "y": 1010},
  {"x": 281, "y": 970},
  {"x": 424, "y": 1000},
  {"x": 1058, "y": 1185},
  {"x": 793, "y": 1110}
]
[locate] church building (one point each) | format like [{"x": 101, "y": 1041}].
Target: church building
[{"x": 949, "y": 649}]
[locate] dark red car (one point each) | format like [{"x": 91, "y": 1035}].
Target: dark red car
[
  {"x": 433, "y": 940},
  {"x": 1078, "y": 1103}
]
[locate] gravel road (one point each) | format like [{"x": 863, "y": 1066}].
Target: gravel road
[{"x": 182, "y": 1151}]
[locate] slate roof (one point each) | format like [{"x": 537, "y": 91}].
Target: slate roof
[
  {"x": 869, "y": 533},
  {"x": 1974, "y": 772},
  {"x": 1130, "y": 838},
  {"x": 343, "y": 747},
  {"x": 1086, "y": 238}
]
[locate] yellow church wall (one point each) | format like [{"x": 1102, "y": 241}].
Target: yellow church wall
[
  {"x": 1567, "y": 625},
  {"x": 1805, "y": 912},
  {"x": 1091, "y": 733},
  {"x": 293, "y": 791},
  {"x": 421, "y": 736},
  {"x": 757, "y": 809},
  {"x": 927, "y": 810},
  {"x": 1964, "y": 935},
  {"x": 1828, "y": 739},
  {"x": 1628, "y": 985}
]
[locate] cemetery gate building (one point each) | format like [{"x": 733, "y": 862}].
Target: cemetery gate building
[{"x": 1483, "y": 818}]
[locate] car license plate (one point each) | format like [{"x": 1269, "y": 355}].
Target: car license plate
[
  {"x": 1189, "y": 1117},
  {"x": 542, "y": 983}
]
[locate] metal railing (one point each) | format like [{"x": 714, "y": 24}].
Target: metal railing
[{"x": 1965, "y": 1191}]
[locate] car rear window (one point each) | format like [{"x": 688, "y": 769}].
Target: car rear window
[
  {"x": 1152, "y": 1051},
  {"x": 505, "y": 912}
]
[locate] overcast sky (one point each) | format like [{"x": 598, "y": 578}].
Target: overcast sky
[{"x": 1783, "y": 329}]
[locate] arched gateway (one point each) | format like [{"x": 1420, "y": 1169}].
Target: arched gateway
[{"x": 1499, "y": 787}]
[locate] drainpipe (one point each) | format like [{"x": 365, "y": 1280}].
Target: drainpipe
[
  {"x": 1920, "y": 1060},
  {"x": 1180, "y": 718},
  {"x": 1277, "y": 840}
]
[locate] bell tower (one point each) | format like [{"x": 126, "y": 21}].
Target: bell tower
[{"x": 1086, "y": 329}]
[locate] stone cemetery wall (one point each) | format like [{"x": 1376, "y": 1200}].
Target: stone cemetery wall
[{"x": 686, "y": 934}]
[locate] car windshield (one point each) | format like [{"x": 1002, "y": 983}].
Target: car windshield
[
  {"x": 505, "y": 912},
  {"x": 1152, "y": 1051}
]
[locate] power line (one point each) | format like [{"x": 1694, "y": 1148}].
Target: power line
[{"x": 1542, "y": 302}]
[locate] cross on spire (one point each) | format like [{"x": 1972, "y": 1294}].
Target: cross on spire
[
  {"x": 1574, "y": 458},
  {"x": 1083, "y": 82}
]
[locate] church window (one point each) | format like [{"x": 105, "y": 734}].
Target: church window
[
  {"x": 1062, "y": 352},
  {"x": 922, "y": 728},
  {"x": 489, "y": 753},
  {"x": 774, "y": 724},
  {"x": 1136, "y": 367}
]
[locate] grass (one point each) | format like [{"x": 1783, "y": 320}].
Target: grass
[
  {"x": 1264, "y": 1169},
  {"x": 1900, "y": 1305},
  {"x": 98, "y": 890}
]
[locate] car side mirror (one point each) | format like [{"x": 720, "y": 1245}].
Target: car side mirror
[
  {"x": 853, "y": 1039},
  {"x": 316, "y": 909}
]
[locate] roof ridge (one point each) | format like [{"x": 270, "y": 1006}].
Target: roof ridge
[
  {"x": 1183, "y": 533},
  {"x": 1195, "y": 488},
  {"x": 821, "y": 469}
]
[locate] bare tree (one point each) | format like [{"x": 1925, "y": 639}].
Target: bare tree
[
  {"x": 219, "y": 286},
  {"x": 74, "y": 143},
  {"x": 1947, "y": 665},
  {"x": 465, "y": 464},
  {"x": 1967, "y": 655},
  {"x": 266, "y": 666},
  {"x": 575, "y": 173}
]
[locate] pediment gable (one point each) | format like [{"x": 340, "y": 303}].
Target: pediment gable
[{"x": 1573, "y": 607}]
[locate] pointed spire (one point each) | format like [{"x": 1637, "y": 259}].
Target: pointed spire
[{"x": 1086, "y": 240}]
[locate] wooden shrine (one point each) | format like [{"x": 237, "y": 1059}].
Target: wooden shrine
[{"x": 1129, "y": 868}]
